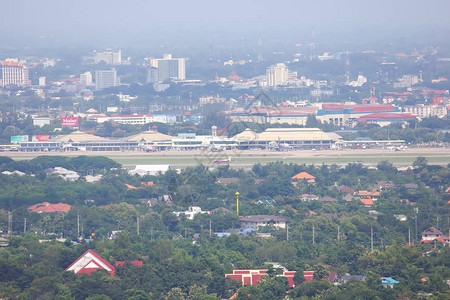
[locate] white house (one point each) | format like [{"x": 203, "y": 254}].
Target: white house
[
  {"x": 191, "y": 212},
  {"x": 142, "y": 170},
  {"x": 262, "y": 220}
]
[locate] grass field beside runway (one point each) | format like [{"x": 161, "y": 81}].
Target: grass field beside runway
[{"x": 180, "y": 159}]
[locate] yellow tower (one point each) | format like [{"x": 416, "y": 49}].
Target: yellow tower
[{"x": 237, "y": 203}]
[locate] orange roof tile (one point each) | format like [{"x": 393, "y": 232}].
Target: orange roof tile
[
  {"x": 47, "y": 207},
  {"x": 303, "y": 175},
  {"x": 367, "y": 201}
]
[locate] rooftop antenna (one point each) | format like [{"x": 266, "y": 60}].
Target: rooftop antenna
[
  {"x": 347, "y": 67},
  {"x": 260, "y": 56},
  {"x": 313, "y": 44}
]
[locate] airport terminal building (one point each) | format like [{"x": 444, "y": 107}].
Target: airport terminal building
[{"x": 275, "y": 139}]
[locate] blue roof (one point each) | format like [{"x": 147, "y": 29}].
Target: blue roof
[
  {"x": 246, "y": 230},
  {"x": 222, "y": 234},
  {"x": 388, "y": 280}
]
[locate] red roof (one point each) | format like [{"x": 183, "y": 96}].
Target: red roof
[
  {"x": 303, "y": 175},
  {"x": 47, "y": 207},
  {"x": 367, "y": 201},
  {"x": 369, "y": 108},
  {"x": 89, "y": 262},
  {"x": 136, "y": 116},
  {"x": 291, "y": 112},
  {"x": 134, "y": 262},
  {"x": 387, "y": 116},
  {"x": 359, "y": 108},
  {"x": 336, "y": 106},
  {"x": 12, "y": 64},
  {"x": 234, "y": 76}
]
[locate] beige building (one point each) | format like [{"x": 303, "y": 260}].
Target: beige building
[
  {"x": 287, "y": 138},
  {"x": 14, "y": 73},
  {"x": 426, "y": 111},
  {"x": 277, "y": 75}
]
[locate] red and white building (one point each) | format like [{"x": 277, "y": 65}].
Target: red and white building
[
  {"x": 251, "y": 277},
  {"x": 431, "y": 234},
  {"x": 14, "y": 73},
  {"x": 90, "y": 262}
]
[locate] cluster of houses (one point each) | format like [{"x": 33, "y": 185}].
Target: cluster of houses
[{"x": 90, "y": 262}]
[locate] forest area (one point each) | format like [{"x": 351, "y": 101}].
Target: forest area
[{"x": 186, "y": 258}]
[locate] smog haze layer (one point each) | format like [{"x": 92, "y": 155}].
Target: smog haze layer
[{"x": 185, "y": 26}]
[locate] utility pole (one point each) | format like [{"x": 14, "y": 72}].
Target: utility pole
[
  {"x": 151, "y": 233},
  {"x": 338, "y": 236},
  {"x": 78, "y": 226},
  {"x": 25, "y": 225},
  {"x": 210, "y": 231},
  {"x": 9, "y": 223},
  {"x": 371, "y": 238},
  {"x": 287, "y": 232},
  {"x": 409, "y": 236},
  {"x": 313, "y": 235},
  {"x": 237, "y": 203},
  {"x": 416, "y": 210},
  {"x": 137, "y": 221}
]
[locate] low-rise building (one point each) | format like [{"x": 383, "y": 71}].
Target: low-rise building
[
  {"x": 431, "y": 234},
  {"x": 388, "y": 282},
  {"x": 191, "y": 212},
  {"x": 47, "y": 207},
  {"x": 308, "y": 197},
  {"x": 142, "y": 170},
  {"x": 89, "y": 262},
  {"x": 251, "y": 277},
  {"x": 262, "y": 220}
]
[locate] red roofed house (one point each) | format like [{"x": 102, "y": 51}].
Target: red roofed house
[
  {"x": 431, "y": 234},
  {"x": 369, "y": 194},
  {"x": 90, "y": 262},
  {"x": 251, "y": 277},
  {"x": 304, "y": 176},
  {"x": 47, "y": 207},
  {"x": 367, "y": 202}
]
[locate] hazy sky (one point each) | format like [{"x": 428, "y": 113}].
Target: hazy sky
[{"x": 121, "y": 19}]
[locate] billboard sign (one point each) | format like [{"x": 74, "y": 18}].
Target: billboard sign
[
  {"x": 40, "y": 138},
  {"x": 70, "y": 121},
  {"x": 19, "y": 138}
]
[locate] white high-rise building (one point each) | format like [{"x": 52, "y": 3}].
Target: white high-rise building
[
  {"x": 109, "y": 57},
  {"x": 277, "y": 74},
  {"x": 86, "y": 78},
  {"x": 42, "y": 81},
  {"x": 106, "y": 79},
  {"x": 13, "y": 72},
  {"x": 169, "y": 67}
]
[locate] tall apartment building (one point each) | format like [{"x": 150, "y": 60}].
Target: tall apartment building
[
  {"x": 168, "y": 68},
  {"x": 13, "y": 72},
  {"x": 86, "y": 78},
  {"x": 427, "y": 111},
  {"x": 109, "y": 57},
  {"x": 106, "y": 79},
  {"x": 406, "y": 81},
  {"x": 277, "y": 74}
]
